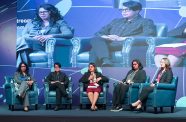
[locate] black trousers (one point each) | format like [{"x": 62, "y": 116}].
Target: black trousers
[
  {"x": 119, "y": 94},
  {"x": 101, "y": 48},
  {"x": 60, "y": 91},
  {"x": 145, "y": 92}
]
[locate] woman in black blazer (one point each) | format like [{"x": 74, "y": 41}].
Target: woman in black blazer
[
  {"x": 135, "y": 75},
  {"x": 164, "y": 75},
  {"x": 93, "y": 81}
]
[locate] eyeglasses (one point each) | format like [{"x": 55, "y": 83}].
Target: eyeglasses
[
  {"x": 56, "y": 67},
  {"x": 134, "y": 64},
  {"x": 43, "y": 12},
  {"x": 23, "y": 66},
  {"x": 125, "y": 10}
]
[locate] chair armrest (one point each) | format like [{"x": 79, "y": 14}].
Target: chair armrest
[
  {"x": 46, "y": 87},
  {"x": 144, "y": 85},
  {"x": 105, "y": 87},
  {"x": 81, "y": 86},
  {"x": 63, "y": 42},
  {"x": 50, "y": 44},
  {"x": 49, "y": 49},
  {"x": 135, "y": 85},
  {"x": 70, "y": 87},
  {"x": 165, "y": 86},
  {"x": 79, "y": 45},
  {"x": 9, "y": 86},
  {"x": 127, "y": 45},
  {"x": 35, "y": 87}
]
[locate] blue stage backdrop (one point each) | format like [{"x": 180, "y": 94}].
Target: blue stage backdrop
[{"x": 86, "y": 17}]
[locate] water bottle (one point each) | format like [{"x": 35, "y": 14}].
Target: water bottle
[{"x": 11, "y": 81}]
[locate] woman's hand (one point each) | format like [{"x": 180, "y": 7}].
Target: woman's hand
[
  {"x": 120, "y": 82},
  {"x": 113, "y": 37},
  {"x": 52, "y": 82},
  {"x": 98, "y": 79},
  {"x": 30, "y": 82},
  {"x": 91, "y": 77},
  {"x": 152, "y": 85},
  {"x": 42, "y": 38},
  {"x": 109, "y": 37}
]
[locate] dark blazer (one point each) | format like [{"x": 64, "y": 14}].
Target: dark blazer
[
  {"x": 139, "y": 26},
  {"x": 140, "y": 76},
  {"x": 166, "y": 77},
  {"x": 62, "y": 77},
  {"x": 85, "y": 81}
]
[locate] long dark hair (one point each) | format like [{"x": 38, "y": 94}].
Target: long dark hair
[
  {"x": 54, "y": 13},
  {"x": 139, "y": 64},
  {"x": 19, "y": 68},
  {"x": 94, "y": 65}
]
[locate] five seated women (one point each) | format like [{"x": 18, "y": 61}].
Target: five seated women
[{"x": 93, "y": 82}]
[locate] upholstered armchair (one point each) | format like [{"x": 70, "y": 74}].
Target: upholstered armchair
[
  {"x": 51, "y": 53},
  {"x": 132, "y": 94},
  {"x": 50, "y": 95},
  {"x": 53, "y": 46},
  {"x": 43, "y": 58},
  {"x": 101, "y": 100},
  {"x": 84, "y": 100},
  {"x": 120, "y": 56},
  {"x": 163, "y": 95},
  {"x": 10, "y": 94}
]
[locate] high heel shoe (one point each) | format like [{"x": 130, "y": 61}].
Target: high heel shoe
[
  {"x": 132, "y": 107},
  {"x": 25, "y": 109},
  {"x": 92, "y": 109},
  {"x": 95, "y": 108},
  {"x": 139, "y": 108}
]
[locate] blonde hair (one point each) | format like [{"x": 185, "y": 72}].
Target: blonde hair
[{"x": 167, "y": 63}]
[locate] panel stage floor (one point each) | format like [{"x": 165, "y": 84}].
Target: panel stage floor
[{"x": 85, "y": 115}]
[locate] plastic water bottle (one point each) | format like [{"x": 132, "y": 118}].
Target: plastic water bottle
[{"x": 11, "y": 81}]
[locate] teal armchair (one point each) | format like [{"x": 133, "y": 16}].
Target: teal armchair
[
  {"x": 10, "y": 94},
  {"x": 101, "y": 100},
  {"x": 50, "y": 95},
  {"x": 133, "y": 92},
  {"x": 163, "y": 95},
  {"x": 84, "y": 100},
  {"x": 120, "y": 56}
]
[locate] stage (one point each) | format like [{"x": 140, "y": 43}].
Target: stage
[{"x": 85, "y": 115}]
